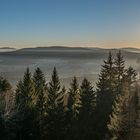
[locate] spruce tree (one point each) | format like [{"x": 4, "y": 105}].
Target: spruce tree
[
  {"x": 6, "y": 106},
  {"x": 105, "y": 96},
  {"x": 53, "y": 89},
  {"x": 25, "y": 102},
  {"x": 74, "y": 99},
  {"x": 61, "y": 104},
  {"x": 55, "y": 111},
  {"x": 6, "y": 94},
  {"x": 119, "y": 119},
  {"x": 73, "y": 105},
  {"x": 4, "y": 85},
  {"x": 41, "y": 101},
  {"x": 119, "y": 71},
  {"x": 87, "y": 111},
  {"x": 131, "y": 75}
]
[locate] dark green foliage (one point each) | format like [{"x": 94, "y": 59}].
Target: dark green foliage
[
  {"x": 74, "y": 99},
  {"x": 74, "y": 104},
  {"x": 5, "y": 105},
  {"x": 119, "y": 118},
  {"x": 119, "y": 65},
  {"x": 25, "y": 96},
  {"x": 87, "y": 110},
  {"x": 4, "y": 85},
  {"x": 105, "y": 95},
  {"x": 40, "y": 101},
  {"x": 131, "y": 75},
  {"x": 53, "y": 90},
  {"x": 87, "y": 98},
  {"x": 55, "y": 110},
  {"x": 25, "y": 103},
  {"x": 40, "y": 93}
]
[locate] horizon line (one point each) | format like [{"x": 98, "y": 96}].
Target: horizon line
[{"x": 63, "y": 46}]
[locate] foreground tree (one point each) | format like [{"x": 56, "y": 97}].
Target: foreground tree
[
  {"x": 119, "y": 119},
  {"x": 4, "y": 85},
  {"x": 87, "y": 111},
  {"x": 55, "y": 111},
  {"x": 25, "y": 102},
  {"x": 105, "y": 96},
  {"x": 74, "y": 103},
  {"x": 119, "y": 66},
  {"x": 6, "y": 97},
  {"x": 130, "y": 76},
  {"x": 6, "y": 105},
  {"x": 40, "y": 101}
]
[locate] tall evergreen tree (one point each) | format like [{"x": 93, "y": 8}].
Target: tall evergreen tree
[
  {"x": 119, "y": 71},
  {"x": 131, "y": 75},
  {"x": 74, "y": 99},
  {"x": 55, "y": 111},
  {"x": 6, "y": 105},
  {"x": 41, "y": 101},
  {"x": 5, "y": 94},
  {"x": 105, "y": 96},
  {"x": 73, "y": 105},
  {"x": 87, "y": 110},
  {"x": 61, "y": 114},
  {"x": 4, "y": 85},
  {"x": 25, "y": 102},
  {"x": 53, "y": 89},
  {"x": 119, "y": 119}
]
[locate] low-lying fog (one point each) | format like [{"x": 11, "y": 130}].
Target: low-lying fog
[{"x": 68, "y": 63}]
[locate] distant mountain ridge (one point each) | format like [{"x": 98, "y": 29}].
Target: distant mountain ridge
[
  {"x": 62, "y": 52},
  {"x": 53, "y": 48},
  {"x": 7, "y": 48},
  {"x": 78, "y": 48},
  {"x": 59, "y": 48}
]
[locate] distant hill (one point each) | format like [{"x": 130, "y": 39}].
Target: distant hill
[
  {"x": 70, "y": 52},
  {"x": 129, "y": 49},
  {"x": 60, "y": 48},
  {"x": 53, "y": 48},
  {"x": 7, "y": 48}
]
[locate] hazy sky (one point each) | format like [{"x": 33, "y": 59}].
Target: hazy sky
[{"x": 100, "y": 23}]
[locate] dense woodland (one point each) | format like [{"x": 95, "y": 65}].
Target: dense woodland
[{"x": 41, "y": 110}]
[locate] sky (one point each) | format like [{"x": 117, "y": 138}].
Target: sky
[{"x": 75, "y": 23}]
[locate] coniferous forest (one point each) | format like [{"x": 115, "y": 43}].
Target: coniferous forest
[{"x": 42, "y": 110}]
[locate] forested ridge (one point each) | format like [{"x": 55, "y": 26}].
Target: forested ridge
[{"x": 41, "y": 110}]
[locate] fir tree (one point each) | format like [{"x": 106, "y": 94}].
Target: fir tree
[
  {"x": 119, "y": 119},
  {"x": 131, "y": 75},
  {"x": 74, "y": 104},
  {"x": 105, "y": 96},
  {"x": 25, "y": 101},
  {"x": 53, "y": 89},
  {"x": 87, "y": 110},
  {"x": 6, "y": 95},
  {"x": 4, "y": 85},
  {"x": 74, "y": 99},
  {"x": 61, "y": 126},
  {"x": 25, "y": 96},
  {"x": 119, "y": 71},
  {"x": 6, "y": 105},
  {"x": 55, "y": 111},
  {"x": 41, "y": 100}
]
